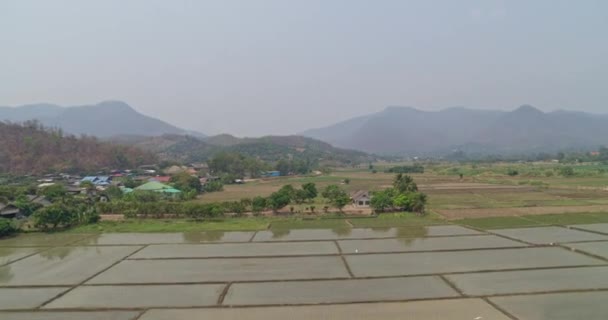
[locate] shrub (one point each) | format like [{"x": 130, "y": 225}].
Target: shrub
[
  {"x": 54, "y": 216},
  {"x": 213, "y": 186},
  {"x": 406, "y": 169},
  {"x": 258, "y": 204},
  {"x": 512, "y": 172},
  {"x": 6, "y": 227},
  {"x": 566, "y": 171}
]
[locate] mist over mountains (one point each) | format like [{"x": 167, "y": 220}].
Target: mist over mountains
[
  {"x": 412, "y": 132},
  {"x": 403, "y": 131},
  {"x": 105, "y": 119}
]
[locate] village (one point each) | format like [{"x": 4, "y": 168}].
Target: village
[{"x": 171, "y": 184}]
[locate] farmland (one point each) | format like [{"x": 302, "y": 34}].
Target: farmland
[{"x": 481, "y": 192}]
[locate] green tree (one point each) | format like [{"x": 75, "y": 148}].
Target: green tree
[
  {"x": 54, "y": 192},
  {"x": 130, "y": 183},
  {"x": 288, "y": 190},
  {"x": 402, "y": 201},
  {"x": 54, "y": 216},
  {"x": 336, "y": 197},
  {"x": 113, "y": 192},
  {"x": 300, "y": 196},
  {"x": 311, "y": 190},
  {"x": 340, "y": 200},
  {"x": 186, "y": 183},
  {"x": 566, "y": 171},
  {"x": 88, "y": 186},
  {"x": 283, "y": 166},
  {"x": 258, "y": 204},
  {"x": 330, "y": 191},
  {"x": 382, "y": 200},
  {"x": 213, "y": 186},
  {"x": 404, "y": 183},
  {"x": 418, "y": 202},
  {"x": 278, "y": 200},
  {"x": 6, "y": 227},
  {"x": 228, "y": 162},
  {"x": 26, "y": 207}
]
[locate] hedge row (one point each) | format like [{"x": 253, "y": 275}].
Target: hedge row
[{"x": 163, "y": 209}]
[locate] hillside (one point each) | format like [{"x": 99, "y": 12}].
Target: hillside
[
  {"x": 105, "y": 119},
  {"x": 31, "y": 149},
  {"x": 270, "y": 148},
  {"x": 408, "y": 131}
]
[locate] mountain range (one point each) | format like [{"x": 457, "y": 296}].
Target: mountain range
[
  {"x": 402, "y": 131},
  {"x": 413, "y": 132},
  {"x": 105, "y": 119}
]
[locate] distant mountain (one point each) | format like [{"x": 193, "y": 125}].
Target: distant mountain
[
  {"x": 105, "y": 119},
  {"x": 408, "y": 131},
  {"x": 270, "y": 148}
]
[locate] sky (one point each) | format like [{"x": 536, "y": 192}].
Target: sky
[{"x": 257, "y": 67}]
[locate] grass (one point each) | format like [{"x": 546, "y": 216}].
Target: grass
[
  {"x": 571, "y": 218},
  {"x": 534, "y": 220},
  {"x": 497, "y": 222},
  {"x": 152, "y": 225}
]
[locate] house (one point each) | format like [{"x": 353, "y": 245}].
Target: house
[
  {"x": 46, "y": 184},
  {"x": 73, "y": 189},
  {"x": 361, "y": 198},
  {"x": 9, "y": 211},
  {"x": 271, "y": 174},
  {"x": 157, "y": 187},
  {"x": 172, "y": 170},
  {"x": 163, "y": 179},
  {"x": 41, "y": 200},
  {"x": 98, "y": 180}
]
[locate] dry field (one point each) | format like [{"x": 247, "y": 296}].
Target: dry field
[{"x": 450, "y": 196}]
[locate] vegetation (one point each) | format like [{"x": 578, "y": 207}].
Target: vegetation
[
  {"x": 337, "y": 197},
  {"x": 213, "y": 186},
  {"x": 54, "y": 217},
  {"x": 6, "y": 227},
  {"x": 186, "y": 183},
  {"x": 233, "y": 165},
  {"x": 299, "y": 152},
  {"x": 30, "y": 148},
  {"x": 404, "y": 196},
  {"x": 416, "y": 168},
  {"x": 175, "y": 225}
]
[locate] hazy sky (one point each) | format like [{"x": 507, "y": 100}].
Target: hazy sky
[{"x": 256, "y": 67}]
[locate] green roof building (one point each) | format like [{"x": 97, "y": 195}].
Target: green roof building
[{"x": 157, "y": 187}]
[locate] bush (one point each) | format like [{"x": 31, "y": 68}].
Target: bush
[
  {"x": 54, "y": 216},
  {"x": 406, "y": 169},
  {"x": 186, "y": 183},
  {"x": 213, "y": 186},
  {"x": 258, "y": 204},
  {"x": 6, "y": 227},
  {"x": 512, "y": 172},
  {"x": 566, "y": 171}
]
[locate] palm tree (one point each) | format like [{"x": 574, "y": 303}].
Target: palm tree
[{"x": 404, "y": 183}]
